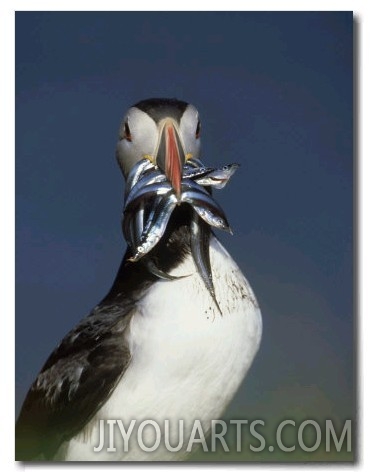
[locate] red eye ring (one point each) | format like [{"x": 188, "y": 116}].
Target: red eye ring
[
  {"x": 198, "y": 129},
  {"x": 127, "y": 132}
]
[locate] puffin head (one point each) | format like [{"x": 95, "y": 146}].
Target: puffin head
[{"x": 166, "y": 131}]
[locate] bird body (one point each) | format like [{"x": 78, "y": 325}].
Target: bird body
[
  {"x": 156, "y": 348},
  {"x": 187, "y": 360}
]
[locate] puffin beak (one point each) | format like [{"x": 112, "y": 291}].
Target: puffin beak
[{"x": 170, "y": 156}]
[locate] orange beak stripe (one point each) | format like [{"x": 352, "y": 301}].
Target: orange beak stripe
[{"x": 173, "y": 164}]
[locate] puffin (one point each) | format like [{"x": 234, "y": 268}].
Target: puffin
[{"x": 157, "y": 357}]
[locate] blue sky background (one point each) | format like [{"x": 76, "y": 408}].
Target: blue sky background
[{"x": 274, "y": 91}]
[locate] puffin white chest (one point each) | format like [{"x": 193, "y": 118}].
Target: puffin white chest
[{"x": 188, "y": 360}]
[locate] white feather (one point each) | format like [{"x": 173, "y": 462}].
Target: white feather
[{"x": 188, "y": 360}]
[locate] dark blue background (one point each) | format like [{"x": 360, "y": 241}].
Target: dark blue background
[{"x": 275, "y": 94}]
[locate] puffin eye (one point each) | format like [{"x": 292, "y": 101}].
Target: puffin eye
[
  {"x": 198, "y": 128},
  {"x": 127, "y": 132}
]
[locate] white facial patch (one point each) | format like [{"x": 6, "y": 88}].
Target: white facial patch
[
  {"x": 144, "y": 137},
  {"x": 188, "y": 128}
]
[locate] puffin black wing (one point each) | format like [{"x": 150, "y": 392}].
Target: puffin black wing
[
  {"x": 81, "y": 373},
  {"x": 74, "y": 383}
]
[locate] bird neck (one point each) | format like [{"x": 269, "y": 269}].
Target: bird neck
[{"x": 133, "y": 278}]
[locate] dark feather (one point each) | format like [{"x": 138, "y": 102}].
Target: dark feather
[
  {"x": 74, "y": 383},
  {"x": 81, "y": 373}
]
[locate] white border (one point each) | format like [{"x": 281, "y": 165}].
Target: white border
[
  {"x": 366, "y": 14},
  {"x": 118, "y": 5}
]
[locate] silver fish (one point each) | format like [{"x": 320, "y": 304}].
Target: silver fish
[
  {"x": 153, "y": 177},
  {"x": 128, "y": 233},
  {"x": 190, "y": 172},
  {"x": 218, "y": 178},
  {"x": 137, "y": 226},
  {"x": 206, "y": 207},
  {"x": 144, "y": 220},
  {"x": 136, "y": 172},
  {"x": 212, "y": 219},
  {"x": 144, "y": 225},
  {"x": 131, "y": 232},
  {"x": 161, "y": 217},
  {"x": 195, "y": 162},
  {"x": 200, "y": 236},
  {"x": 146, "y": 193},
  {"x": 154, "y": 208}
]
